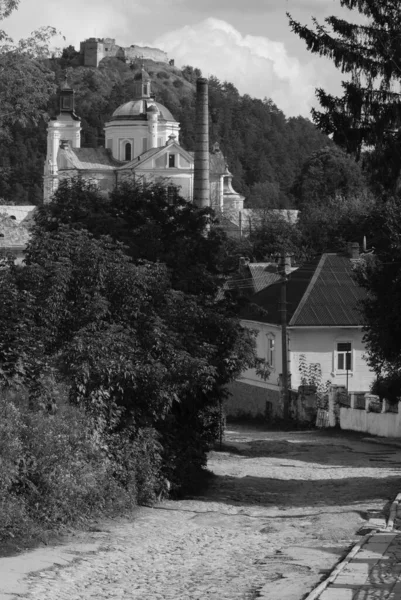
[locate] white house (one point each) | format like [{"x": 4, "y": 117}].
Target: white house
[{"x": 324, "y": 330}]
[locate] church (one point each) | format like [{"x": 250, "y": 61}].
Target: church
[{"x": 142, "y": 140}]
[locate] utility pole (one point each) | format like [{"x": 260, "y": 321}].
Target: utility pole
[{"x": 284, "y": 344}]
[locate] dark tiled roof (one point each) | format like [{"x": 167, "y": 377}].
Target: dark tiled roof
[
  {"x": 263, "y": 275},
  {"x": 82, "y": 159},
  {"x": 333, "y": 296},
  {"x": 321, "y": 293}
]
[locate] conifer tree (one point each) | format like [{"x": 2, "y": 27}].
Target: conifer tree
[{"x": 368, "y": 114}]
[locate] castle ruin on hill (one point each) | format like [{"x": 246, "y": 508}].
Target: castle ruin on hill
[{"x": 93, "y": 50}]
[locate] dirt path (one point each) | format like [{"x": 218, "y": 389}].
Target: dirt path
[{"x": 281, "y": 511}]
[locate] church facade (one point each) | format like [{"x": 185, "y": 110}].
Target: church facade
[{"x": 141, "y": 141}]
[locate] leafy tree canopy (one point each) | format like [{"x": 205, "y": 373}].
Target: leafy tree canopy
[
  {"x": 367, "y": 115},
  {"x": 26, "y": 83}
]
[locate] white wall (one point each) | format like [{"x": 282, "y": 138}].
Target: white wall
[
  {"x": 383, "y": 424},
  {"x": 117, "y": 133},
  {"x": 319, "y": 346},
  {"x": 249, "y": 376}
]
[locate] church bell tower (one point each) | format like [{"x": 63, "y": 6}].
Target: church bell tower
[{"x": 64, "y": 128}]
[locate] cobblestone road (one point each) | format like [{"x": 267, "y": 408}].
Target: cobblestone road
[{"x": 281, "y": 511}]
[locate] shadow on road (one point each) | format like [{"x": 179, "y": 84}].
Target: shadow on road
[{"x": 265, "y": 491}]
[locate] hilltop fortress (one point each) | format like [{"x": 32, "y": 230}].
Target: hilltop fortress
[{"x": 93, "y": 50}]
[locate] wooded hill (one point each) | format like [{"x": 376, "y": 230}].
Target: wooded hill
[{"x": 261, "y": 145}]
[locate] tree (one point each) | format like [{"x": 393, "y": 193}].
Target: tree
[
  {"x": 327, "y": 174},
  {"x": 7, "y": 7},
  {"x": 334, "y": 200},
  {"x": 266, "y": 195},
  {"x": 379, "y": 274},
  {"x": 26, "y": 83},
  {"x": 368, "y": 113},
  {"x": 273, "y": 233},
  {"x": 153, "y": 228},
  {"x": 132, "y": 319}
]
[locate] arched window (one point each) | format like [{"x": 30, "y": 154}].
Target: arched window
[{"x": 128, "y": 151}]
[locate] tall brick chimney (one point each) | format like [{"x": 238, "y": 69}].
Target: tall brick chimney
[{"x": 201, "y": 162}]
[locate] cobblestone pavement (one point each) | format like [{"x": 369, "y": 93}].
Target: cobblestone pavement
[{"x": 280, "y": 513}]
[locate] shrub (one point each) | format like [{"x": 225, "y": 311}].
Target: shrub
[
  {"x": 58, "y": 469},
  {"x": 388, "y": 387},
  {"x": 163, "y": 75},
  {"x": 13, "y": 511}
]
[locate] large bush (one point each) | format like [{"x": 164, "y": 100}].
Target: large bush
[
  {"x": 58, "y": 469},
  {"x": 132, "y": 322}
]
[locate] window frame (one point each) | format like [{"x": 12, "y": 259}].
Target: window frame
[
  {"x": 127, "y": 145},
  {"x": 343, "y": 353},
  {"x": 271, "y": 350},
  {"x": 174, "y": 161}
]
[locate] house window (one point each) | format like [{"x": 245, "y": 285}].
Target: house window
[
  {"x": 344, "y": 356},
  {"x": 171, "y": 160},
  {"x": 270, "y": 359},
  {"x": 128, "y": 151}
]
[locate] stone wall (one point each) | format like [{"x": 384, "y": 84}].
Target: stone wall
[
  {"x": 251, "y": 401},
  {"x": 93, "y": 50}
]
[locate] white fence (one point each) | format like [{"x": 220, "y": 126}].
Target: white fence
[{"x": 384, "y": 423}]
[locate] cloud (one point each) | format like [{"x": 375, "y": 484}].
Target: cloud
[{"x": 254, "y": 64}]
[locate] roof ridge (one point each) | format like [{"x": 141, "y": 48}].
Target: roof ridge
[{"x": 308, "y": 289}]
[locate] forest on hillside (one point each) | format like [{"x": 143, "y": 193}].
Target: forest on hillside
[{"x": 265, "y": 151}]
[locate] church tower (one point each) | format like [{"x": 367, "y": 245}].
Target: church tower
[
  {"x": 63, "y": 129},
  {"x": 139, "y": 125}
]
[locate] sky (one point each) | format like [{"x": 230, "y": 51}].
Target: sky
[{"x": 248, "y": 43}]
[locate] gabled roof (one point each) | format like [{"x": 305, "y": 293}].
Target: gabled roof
[
  {"x": 83, "y": 159},
  {"x": 332, "y": 297},
  {"x": 139, "y": 160},
  {"x": 321, "y": 293},
  {"x": 263, "y": 275},
  {"x": 154, "y": 152}
]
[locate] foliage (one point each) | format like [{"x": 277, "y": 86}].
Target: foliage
[
  {"x": 7, "y": 7},
  {"x": 273, "y": 234},
  {"x": 368, "y": 113},
  {"x": 57, "y": 469},
  {"x": 311, "y": 374},
  {"x": 388, "y": 387},
  {"x": 328, "y": 174},
  {"x": 26, "y": 83},
  {"x": 142, "y": 343},
  {"x": 379, "y": 273}
]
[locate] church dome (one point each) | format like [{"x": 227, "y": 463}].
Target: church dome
[{"x": 136, "y": 110}]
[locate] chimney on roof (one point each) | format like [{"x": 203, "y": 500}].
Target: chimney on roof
[{"x": 353, "y": 250}]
